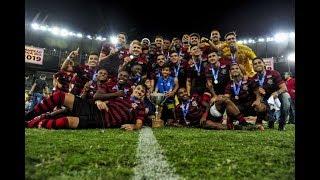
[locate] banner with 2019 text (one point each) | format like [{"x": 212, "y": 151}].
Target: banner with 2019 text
[{"x": 34, "y": 55}]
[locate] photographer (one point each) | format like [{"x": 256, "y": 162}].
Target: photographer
[{"x": 38, "y": 90}]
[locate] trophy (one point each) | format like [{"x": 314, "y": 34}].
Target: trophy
[{"x": 157, "y": 99}]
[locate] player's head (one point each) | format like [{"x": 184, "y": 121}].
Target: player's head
[
  {"x": 67, "y": 65},
  {"x": 194, "y": 39},
  {"x": 258, "y": 64},
  {"x": 215, "y": 35},
  {"x": 93, "y": 59},
  {"x": 122, "y": 38},
  {"x": 230, "y": 37},
  {"x": 123, "y": 77},
  {"x": 136, "y": 69},
  {"x": 213, "y": 57},
  {"x": 139, "y": 91},
  {"x": 102, "y": 74},
  {"x": 235, "y": 70},
  {"x": 195, "y": 50},
  {"x": 165, "y": 70},
  {"x": 135, "y": 48},
  {"x": 161, "y": 59},
  {"x": 183, "y": 94},
  {"x": 174, "y": 56}
]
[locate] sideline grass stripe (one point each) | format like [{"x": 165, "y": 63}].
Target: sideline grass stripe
[{"x": 152, "y": 163}]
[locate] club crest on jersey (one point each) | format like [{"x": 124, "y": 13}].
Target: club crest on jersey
[
  {"x": 245, "y": 87},
  {"x": 270, "y": 81},
  {"x": 134, "y": 105},
  {"x": 223, "y": 71},
  {"x": 194, "y": 103}
]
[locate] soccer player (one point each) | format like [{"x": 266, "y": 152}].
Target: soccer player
[
  {"x": 62, "y": 79},
  {"x": 178, "y": 68},
  {"x": 110, "y": 89},
  {"x": 196, "y": 81},
  {"x": 239, "y": 53},
  {"x": 241, "y": 94},
  {"x": 114, "y": 113},
  {"x": 84, "y": 73},
  {"x": 268, "y": 83}
]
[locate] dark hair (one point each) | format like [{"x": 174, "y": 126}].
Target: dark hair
[
  {"x": 94, "y": 53},
  {"x": 195, "y": 34},
  {"x": 160, "y": 55},
  {"x": 257, "y": 58},
  {"x": 215, "y": 30},
  {"x": 143, "y": 85},
  {"x": 125, "y": 34},
  {"x": 166, "y": 65},
  {"x": 213, "y": 51},
  {"x": 173, "y": 51},
  {"x": 192, "y": 46},
  {"x": 158, "y": 36},
  {"x": 230, "y": 33},
  {"x": 102, "y": 68}
]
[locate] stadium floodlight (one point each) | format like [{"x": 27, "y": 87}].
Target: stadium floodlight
[
  {"x": 269, "y": 39},
  {"x": 89, "y": 37},
  {"x": 250, "y": 41},
  {"x": 291, "y": 57},
  {"x": 43, "y": 28},
  {"x": 240, "y": 42},
  {"x": 79, "y": 35},
  {"x": 72, "y": 34},
  {"x": 64, "y": 32},
  {"x": 245, "y": 42},
  {"x": 103, "y": 39},
  {"x": 99, "y": 38},
  {"x": 292, "y": 35},
  {"x": 281, "y": 37},
  {"x": 261, "y": 40},
  {"x": 113, "y": 39},
  {"x": 55, "y": 30},
  {"x": 35, "y": 26}
]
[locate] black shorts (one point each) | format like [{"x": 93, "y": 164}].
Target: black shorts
[
  {"x": 221, "y": 110},
  {"x": 89, "y": 114},
  {"x": 246, "y": 109}
]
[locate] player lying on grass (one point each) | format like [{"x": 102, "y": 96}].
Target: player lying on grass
[{"x": 127, "y": 113}]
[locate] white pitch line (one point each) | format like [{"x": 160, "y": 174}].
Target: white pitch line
[{"x": 152, "y": 163}]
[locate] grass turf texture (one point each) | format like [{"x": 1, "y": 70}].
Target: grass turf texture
[
  {"x": 195, "y": 153},
  {"x": 207, "y": 154},
  {"x": 80, "y": 154}
]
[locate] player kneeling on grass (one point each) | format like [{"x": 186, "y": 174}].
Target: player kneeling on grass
[
  {"x": 118, "y": 112},
  {"x": 269, "y": 86},
  {"x": 241, "y": 94}
]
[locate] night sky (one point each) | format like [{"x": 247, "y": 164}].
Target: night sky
[{"x": 249, "y": 18}]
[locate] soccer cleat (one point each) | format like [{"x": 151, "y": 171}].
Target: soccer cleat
[
  {"x": 270, "y": 124},
  {"x": 281, "y": 127}
]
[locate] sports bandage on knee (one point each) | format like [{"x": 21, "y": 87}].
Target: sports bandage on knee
[{"x": 214, "y": 111}]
